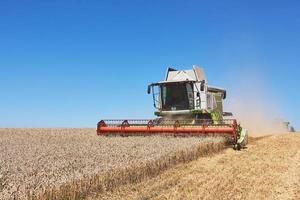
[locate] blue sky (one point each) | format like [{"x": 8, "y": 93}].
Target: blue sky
[{"x": 71, "y": 63}]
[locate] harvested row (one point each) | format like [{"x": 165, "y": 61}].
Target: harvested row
[
  {"x": 71, "y": 163},
  {"x": 267, "y": 169}
]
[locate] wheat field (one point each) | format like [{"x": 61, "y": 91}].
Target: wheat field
[
  {"x": 269, "y": 168},
  {"x": 72, "y": 163}
]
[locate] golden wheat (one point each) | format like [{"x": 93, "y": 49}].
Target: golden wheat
[{"x": 71, "y": 163}]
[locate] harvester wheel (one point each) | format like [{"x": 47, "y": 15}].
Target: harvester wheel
[{"x": 237, "y": 147}]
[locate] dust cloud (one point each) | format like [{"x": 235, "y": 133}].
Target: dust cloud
[{"x": 252, "y": 103}]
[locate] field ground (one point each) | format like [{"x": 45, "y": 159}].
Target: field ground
[
  {"x": 268, "y": 169},
  {"x": 77, "y": 164}
]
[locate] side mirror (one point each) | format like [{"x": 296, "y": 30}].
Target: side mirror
[
  {"x": 224, "y": 95},
  {"x": 202, "y": 86},
  {"x": 149, "y": 89}
]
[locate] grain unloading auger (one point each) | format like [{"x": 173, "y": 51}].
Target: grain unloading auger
[{"x": 186, "y": 106}]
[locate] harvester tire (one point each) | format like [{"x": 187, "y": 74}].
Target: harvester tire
[{"x": 237, "y": 147}]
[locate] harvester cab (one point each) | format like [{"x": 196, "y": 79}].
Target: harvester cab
[
  {"x": 185, "y": 94},
  {"x": 185, "y": 106}
]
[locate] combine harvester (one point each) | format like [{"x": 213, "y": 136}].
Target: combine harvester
[{"x": 186, "y": 106}]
